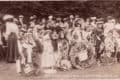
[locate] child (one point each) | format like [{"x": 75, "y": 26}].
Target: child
[
  {"x": 78, "y": 54},
  {"x": 109, "y": 45},
  {"x": 26, "y": 45},
  {"x": 48, "y": 60},
  {"x": 63, "y": 48}
]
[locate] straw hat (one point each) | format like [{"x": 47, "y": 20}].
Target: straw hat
[
  {"x": 33, "y": 17},
  {"x": 6, "y": 17},
  {"x": 21, "y": 16},
  {"x": 100, "y": 21},
  {"x": 93, "y": 18},
  {"x": 71, "y": 16},
  {"x": 50, "y": 17}
]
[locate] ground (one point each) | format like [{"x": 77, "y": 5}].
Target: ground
[{"x": 8, "y": 72}]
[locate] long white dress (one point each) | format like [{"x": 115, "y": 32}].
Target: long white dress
[{"x": 48, "y": 57}]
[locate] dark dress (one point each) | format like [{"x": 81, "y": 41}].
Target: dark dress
[
  {"x": 12, "y": 50},
  {"x": 98, "y": 42}
]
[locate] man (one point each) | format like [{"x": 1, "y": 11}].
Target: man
[
  {"x": 71, "y": 21},
  {"x": 21, "y": 22},
  {"x": 32, "y": 22},
  {"x": 99, "y": 39},
  {"x": 50, "y": 22}
]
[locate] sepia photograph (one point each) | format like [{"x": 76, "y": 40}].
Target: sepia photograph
[{"x": 60, "y": 40}]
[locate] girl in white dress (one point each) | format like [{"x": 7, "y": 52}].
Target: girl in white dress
[{"x": 48, "y": 58}]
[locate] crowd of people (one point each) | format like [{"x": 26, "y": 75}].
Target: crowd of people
[{"x": 56, "y": 43}]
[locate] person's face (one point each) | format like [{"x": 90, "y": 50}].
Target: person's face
[
  {"x": 79, "y": 25},
  {"x": 113, "y": 21},
  {"x": 43, "y": 20},
  {"x": 88, "y": 20},
  {"x": 71, "y": 16},
  {"x": 54, "y": 35},
  {"x": 50, "y": 17},
  {"x": 100, "y": 25}
]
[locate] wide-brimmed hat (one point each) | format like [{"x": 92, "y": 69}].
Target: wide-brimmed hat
[
  {"x": 71, "y": 16},
  {"x": 100, "y": 21},
  {"x": 7, "y": 16},
  {"x": 93, "y": 18},
  {"x": 50, "y": 17},
  {"x": 33, "y": 17},
  {"x": 21, "y": 16}
]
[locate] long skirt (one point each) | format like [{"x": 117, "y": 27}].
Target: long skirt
[
  {"x": 12, "y": 50},
  {"x": 48, "y": 55},
  {"x": 2, "y": 53},
  {"x": 48, "y": 60}
]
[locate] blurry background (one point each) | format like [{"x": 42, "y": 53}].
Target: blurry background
[{"x": 84, "y": 8}]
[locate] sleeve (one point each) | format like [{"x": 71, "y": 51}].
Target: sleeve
[
  {"x": 7, "y": 32},
  {"x": 17, "y": 30},
  {"x": 35, "y": 34}
]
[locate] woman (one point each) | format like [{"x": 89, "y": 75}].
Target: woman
[
  {"x": 63, "y": 57},
  {"x": 48, "y": 57},
  {"x": 11, "y": 35}
]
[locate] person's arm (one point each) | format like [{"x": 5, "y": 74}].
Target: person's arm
[
  {"x": 1, "y": 43},
  {"x": 35, "y": 34},
  {"x": 16, "y": 29},
  {"x": 6, "y": 33}
]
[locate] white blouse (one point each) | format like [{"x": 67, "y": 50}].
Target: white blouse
[{"x": 11, "y": 27}]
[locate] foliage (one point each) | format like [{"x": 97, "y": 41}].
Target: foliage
[{"x": 83, "y": 8}]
